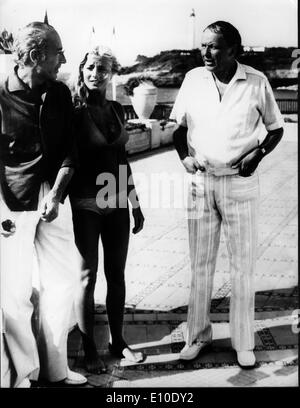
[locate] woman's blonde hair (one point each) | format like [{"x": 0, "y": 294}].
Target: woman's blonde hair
[{"x": 80, "y": 92}]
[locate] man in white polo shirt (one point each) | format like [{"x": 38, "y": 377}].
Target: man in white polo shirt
[{"x": 221, "y": 110}]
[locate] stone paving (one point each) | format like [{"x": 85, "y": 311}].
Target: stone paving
[{"x": 158, "y": 283}]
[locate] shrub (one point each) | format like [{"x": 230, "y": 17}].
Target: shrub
[{"x": 134, "y": 82}]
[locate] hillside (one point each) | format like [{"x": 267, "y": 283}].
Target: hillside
[{"x": 167, "y": 69}]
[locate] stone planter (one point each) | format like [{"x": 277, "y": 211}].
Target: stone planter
[
  {"x": 139, "y": 140},
  {"x": 144, "y": 100},
  {"x": 166, "y": 133},
  {"x": 153, "y": 125}
]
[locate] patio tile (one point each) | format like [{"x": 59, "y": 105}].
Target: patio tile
[{"x": 158, "y": 285}]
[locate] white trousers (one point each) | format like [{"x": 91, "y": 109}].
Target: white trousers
[
  {"x": 24, "y": 356},
  {"x": 233, "y": 202}
]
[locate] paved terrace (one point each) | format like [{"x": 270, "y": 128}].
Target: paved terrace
[{"x": 158, "y": 283}]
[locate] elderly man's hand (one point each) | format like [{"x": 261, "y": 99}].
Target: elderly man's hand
[
  {"x": 248, "y": 164},
  {"x": 49, "y": 207},
  {"x": 192, "y": 165}
]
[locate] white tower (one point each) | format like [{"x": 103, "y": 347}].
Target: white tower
[
  {"x": 192, "y": 31},
  {"x": 114, "y": 50}
]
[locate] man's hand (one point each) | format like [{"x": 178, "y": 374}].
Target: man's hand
[
  {"x": 49, "y": 207},
  {"x": 138, "y": 220},
  {"x": 248, "y": 164},
  {"x": 50, "y": 203},
  {"x": 192, "y": 165}
]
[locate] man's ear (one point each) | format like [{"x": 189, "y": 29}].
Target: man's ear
[
  {"x": 234, "y": 50},
  {"x": 34, "y": 57}
]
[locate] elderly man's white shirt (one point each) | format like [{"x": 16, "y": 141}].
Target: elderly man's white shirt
[{"x": 219, "y": 132}]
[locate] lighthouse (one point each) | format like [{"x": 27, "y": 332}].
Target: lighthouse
[{"x": 192, "y": 31}]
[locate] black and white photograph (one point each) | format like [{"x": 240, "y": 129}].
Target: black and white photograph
[{"x": 148, "y": 196}]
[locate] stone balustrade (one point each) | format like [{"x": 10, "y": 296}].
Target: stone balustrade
[
  {"x": 158, "y": 131},
  {"x": 161, "y": 111}
]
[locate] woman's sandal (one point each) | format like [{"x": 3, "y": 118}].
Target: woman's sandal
[{"x": 127, "y": 353}]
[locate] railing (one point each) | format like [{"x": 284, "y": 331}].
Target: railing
[
  {"x": 288, "y": 105},
  {"x": 163, "y": 110}
]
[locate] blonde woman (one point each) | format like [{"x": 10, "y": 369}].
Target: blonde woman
[{"x": 102, "y": 211}]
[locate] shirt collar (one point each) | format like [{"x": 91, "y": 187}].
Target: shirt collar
[
  {"x": 15, "y": 84},
  {"x": 240, "y": 73}
]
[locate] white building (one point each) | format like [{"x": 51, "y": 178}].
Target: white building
[{"x": 247, "y": 48}]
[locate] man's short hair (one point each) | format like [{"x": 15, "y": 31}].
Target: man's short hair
[
  {"x": 33, "y": 36},
  {"x": 230, "y": 33}
]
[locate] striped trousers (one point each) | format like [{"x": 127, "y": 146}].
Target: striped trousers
[{"x": 230, "y": 201}]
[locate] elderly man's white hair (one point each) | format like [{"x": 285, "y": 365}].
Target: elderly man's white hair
[{"x": 33, "y": 36}]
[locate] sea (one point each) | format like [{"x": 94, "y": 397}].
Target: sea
[{"x": 168, "y": 95}]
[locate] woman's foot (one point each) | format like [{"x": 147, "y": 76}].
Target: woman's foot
[
  {"x": 92, "y": 361},
  {"x": 95, "y": 364},
  {"x": 127, "y": 353},
  {"x": 134, "y": 356}
]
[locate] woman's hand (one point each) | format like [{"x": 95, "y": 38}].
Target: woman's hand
[{"x": 138, "y": 220}]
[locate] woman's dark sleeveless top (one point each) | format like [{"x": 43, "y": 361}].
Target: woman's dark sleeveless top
[{"x": 96, "y": 156}]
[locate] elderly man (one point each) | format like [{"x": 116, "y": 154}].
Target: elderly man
[
  {"x": 221, "y": 110},
  {"x": 36, "y": 164}
]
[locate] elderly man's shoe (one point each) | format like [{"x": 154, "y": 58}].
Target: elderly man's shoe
[
  {"x": 74, "y": 378},
  {"x": 25, "y": 383},
  {"x": 246, "y": 359},
  {"x": 192, "y": 351}
]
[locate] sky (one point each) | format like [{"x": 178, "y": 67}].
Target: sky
[{"x": 149, "y": 26}]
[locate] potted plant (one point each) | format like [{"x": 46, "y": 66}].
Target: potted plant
[
  {"x": 6, "y": 47},
  {"x": 143, "y": 95}
]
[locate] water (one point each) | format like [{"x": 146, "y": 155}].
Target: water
[
  {"x": 165, "y": 95},
  {"x": 285, "y": 94},
  {"x": 168, "y": 95}
]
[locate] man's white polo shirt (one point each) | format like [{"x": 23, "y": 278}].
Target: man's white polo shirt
[{"x": 219, "y": 132}]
